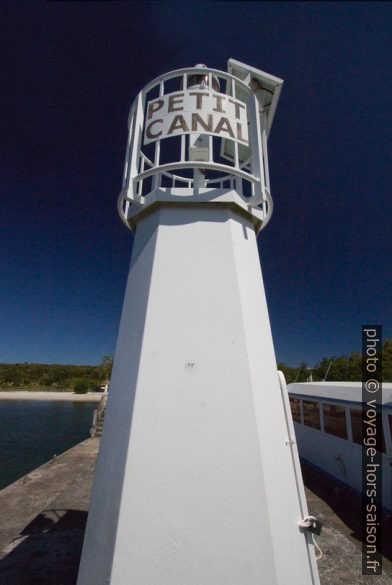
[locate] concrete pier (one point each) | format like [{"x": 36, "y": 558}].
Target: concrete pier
[{"x": 43, "y": 518}]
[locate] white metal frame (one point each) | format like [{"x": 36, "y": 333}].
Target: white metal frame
[
  {"x": 235, "y": 176},
  {"x": 342, "y": 445},
  {"x": 292, "y": 443}
]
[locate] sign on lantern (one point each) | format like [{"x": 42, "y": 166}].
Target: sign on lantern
[{"x": 195, "y": 112}]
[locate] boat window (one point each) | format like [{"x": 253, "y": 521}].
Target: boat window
[
  {"x": 335, "y": 420},
  {"x": 295, "y": 408},
  {"x": 356, "y": 426},
  {"x": 311, "y": 414}
]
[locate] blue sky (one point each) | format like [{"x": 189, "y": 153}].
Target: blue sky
[{"x": 71, "y": 71}]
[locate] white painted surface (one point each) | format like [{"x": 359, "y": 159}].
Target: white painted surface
[
  {"x": 347, "y": 391},
  {"x": 195, "y": 482},
  {"x": 342, "y": 458}
]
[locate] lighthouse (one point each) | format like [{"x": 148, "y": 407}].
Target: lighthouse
[{"x": 198, "y": 480}]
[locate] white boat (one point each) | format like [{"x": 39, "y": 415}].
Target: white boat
[{"x": 328, "y": 426}]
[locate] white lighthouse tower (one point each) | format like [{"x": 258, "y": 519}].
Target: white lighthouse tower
[{"x": 197, "y": 480}]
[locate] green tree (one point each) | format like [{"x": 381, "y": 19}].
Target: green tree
[
  {"x": 289, "y": 373},
  {"x": 82, "y": 386},
  {"x": 105, "y": 367}
]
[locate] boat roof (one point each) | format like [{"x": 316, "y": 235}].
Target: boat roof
[{"x": 346, "y": 391}]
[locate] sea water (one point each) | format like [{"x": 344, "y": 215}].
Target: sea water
[{"x": 32, "y": 431}]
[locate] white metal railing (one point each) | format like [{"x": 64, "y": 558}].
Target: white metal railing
[{"x": 145, "y": 170}]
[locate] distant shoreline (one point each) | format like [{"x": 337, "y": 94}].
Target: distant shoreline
[{"x": 47, "y": 395}]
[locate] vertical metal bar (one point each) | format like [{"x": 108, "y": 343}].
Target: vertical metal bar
[
  {"x": 131, "y": 154},
  {"x": 183, "y": 147},
  {"x": 210, "y": 148},
  {"x": 155, "y": 181},
  {"x": 256, "y": 142},
  {"x": 238, "y": 186},
  {"x": 238, "y": 181},
  {"x": 157, "y": 153},
  {"x": 126, "y": 164},
  {"x": 321, "y": 415},
  {"x": 140, "y": 183},
  {"x": 265, "y": 161},
  {"x": 136, "y": 146},
  {"x": 236, "y": 156},
  {"x": 348, "y": 424},
  {"x": 157, "y": 178}
]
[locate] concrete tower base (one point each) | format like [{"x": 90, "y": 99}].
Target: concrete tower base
[{"x": 195, "y": 481}]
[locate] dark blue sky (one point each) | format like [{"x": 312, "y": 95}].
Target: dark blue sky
[{"x": 70, "y": 72}]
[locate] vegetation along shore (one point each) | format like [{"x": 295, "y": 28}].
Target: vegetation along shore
[
  {"x": 58, "y": 378},
  {"x": 55, "y": 377}
]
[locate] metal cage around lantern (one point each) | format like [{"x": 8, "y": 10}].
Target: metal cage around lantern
[{"x": 201, "y": 158}]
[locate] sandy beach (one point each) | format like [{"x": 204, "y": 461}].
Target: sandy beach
[{"x": 37, "y": 395}]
